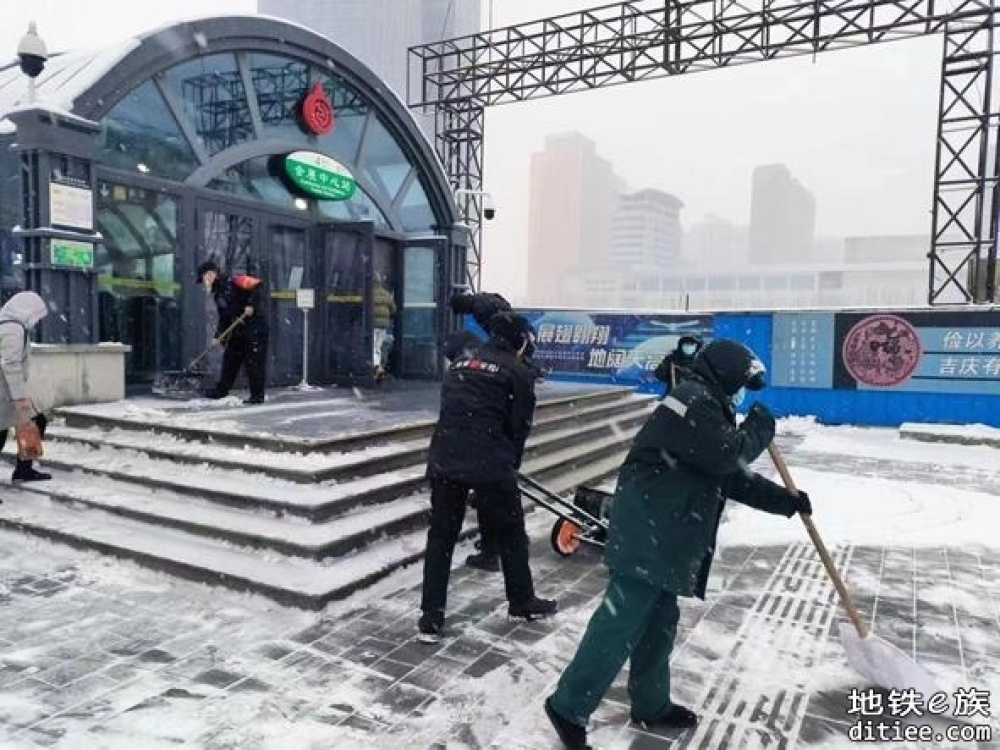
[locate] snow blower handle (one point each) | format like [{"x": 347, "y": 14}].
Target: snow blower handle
[{"x": 824, "y": 555}]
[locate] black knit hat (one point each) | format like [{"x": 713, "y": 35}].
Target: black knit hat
[{"x": 208, "y": 265}]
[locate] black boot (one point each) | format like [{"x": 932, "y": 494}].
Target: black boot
[
  {"x": 675, "y": 717},
  {"x": 215, "y": 394},
  {"x": 573, "y": 736},
  {"x": 254, "y": 400},
  {"x": 430, "y": 628},
  {"x": 533, "y": 609},
  {"x": 483, "y": 561},
  {"x": 25, "y": 472}
]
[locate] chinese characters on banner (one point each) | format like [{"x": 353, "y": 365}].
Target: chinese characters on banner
[
  {"x": 927, "y": 352},
  {"x": 616, "y": 348}
]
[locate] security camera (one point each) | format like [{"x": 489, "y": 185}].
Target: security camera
[
  {"x": 489, "y": 208},
  {"x": 32, "y": 52}
]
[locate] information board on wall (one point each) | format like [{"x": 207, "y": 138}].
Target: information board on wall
[
  {"x": 926, "y": 352},
  {"x": 619, "y": 348}
]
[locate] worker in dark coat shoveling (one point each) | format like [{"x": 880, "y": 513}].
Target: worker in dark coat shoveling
[
  {"x": 687, "y": 459},
  {"x": 487, "y": 407}
]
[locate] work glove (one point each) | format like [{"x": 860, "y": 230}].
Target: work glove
[
  {"x": 802, "y": 504},
  {"x": 760, "y": 421}
]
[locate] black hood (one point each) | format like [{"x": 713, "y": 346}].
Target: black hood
[
  {"x": 511, "y": 329},
  {"x": 729, "y": 365}
]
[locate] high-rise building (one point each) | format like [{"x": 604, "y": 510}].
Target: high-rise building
[
  {"x": 646, "y": 230},
  {"x": 574, "y": 193},
  {"x": 782, "y": 217},
  {"x": 715, "y": 242},
  {"x": 379, "y": 32}
]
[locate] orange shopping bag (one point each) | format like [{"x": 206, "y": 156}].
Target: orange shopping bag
[{"x": 29, "y": 441}]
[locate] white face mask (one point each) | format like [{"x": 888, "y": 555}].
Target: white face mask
[
  {"x": 737, "y": 398},
  {"x": 208, "y": 286},
  {"x": 688, "y": 349}
]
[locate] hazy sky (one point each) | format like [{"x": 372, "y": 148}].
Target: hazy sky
[{"x": 856, "y": 127}]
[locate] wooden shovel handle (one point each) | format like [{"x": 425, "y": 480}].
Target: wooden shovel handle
[
  {"x": 824, "y": 555},
  {"x": 222, "y": 338}
]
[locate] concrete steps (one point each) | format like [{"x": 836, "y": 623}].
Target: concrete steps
[{"x": 252, "y": 519}]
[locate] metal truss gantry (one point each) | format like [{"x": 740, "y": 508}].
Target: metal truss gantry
[{"x": 646, "y": 39}]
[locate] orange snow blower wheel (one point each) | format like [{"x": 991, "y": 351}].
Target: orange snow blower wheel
[{"x": 566, "y": 537}]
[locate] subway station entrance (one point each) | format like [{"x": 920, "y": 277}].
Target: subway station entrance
[{"x": 287, "y": 160}]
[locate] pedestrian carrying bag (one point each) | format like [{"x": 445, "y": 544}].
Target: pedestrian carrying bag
[{"x": 29, "y": 441}]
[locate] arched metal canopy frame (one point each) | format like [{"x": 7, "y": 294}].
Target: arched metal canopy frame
[{"x": 167, "y": 47}]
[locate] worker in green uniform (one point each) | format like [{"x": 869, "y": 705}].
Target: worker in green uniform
[{"x": 687, "y": 459}]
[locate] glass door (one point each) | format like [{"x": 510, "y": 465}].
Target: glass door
[
  {"x": 287, "y": 271},
  {"x": 385, "y": 307},
  {"x": 227, "y": 235},
  {"x": 344, "y": 331},
  {"x": 419, "y": 322}
]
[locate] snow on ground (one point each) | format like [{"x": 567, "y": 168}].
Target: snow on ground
[{"x": 95, "y": 653}]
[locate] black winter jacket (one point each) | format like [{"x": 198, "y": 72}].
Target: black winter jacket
[
  {"x": 487, "y": 406},
  {"x": 232, "y": 295}
]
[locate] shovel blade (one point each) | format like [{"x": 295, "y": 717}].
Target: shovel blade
[
  {"x": 181, "y": 384},
  {"x": 885, "y": 665}
]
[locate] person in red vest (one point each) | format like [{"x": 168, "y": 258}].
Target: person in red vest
[{"x": 238, "y": 297}]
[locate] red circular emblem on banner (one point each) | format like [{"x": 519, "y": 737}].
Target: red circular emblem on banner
[
  {"x": 317, "y": 110},
  {"x": 882, "y": 351}
]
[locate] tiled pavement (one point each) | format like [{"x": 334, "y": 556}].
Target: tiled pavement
[{"x": 96, "y": 653}]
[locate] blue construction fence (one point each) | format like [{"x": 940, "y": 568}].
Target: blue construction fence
[{"x": 860, "y": 367}]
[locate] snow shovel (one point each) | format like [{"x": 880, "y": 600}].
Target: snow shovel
[
  {"x": 183, "y": 383},
  {"x": 870, "y": 656}
]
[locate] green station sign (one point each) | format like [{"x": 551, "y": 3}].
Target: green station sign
[
  {"x": 319, "y": 176},
  {"x": 72, "y": 253}
]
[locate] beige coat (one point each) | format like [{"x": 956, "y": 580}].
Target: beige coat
[{"x": 21, "y": 314}]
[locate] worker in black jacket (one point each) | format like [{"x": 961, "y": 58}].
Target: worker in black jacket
[
  {"x": 487, "y": 406},
  {"x": 237, "y": 298},
  {"x": 677, "y": 365}
]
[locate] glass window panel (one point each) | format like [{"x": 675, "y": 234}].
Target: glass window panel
[
  {"x": 419, "y": 276},
  {"x": 350, "y": 111},
  {"x": 141, "y": 134},
  {"x": 214, "y": 100},
  {"x": 359, "y": 208},
  {"x": 280, "y": 84},
  {"x": 253, "y": 179},
  {"x": 138, "y": 289},
  {"x": 775, "y": 282},
  {"x": 415, "y": 212},
  {"x": 384, "y": 162}
]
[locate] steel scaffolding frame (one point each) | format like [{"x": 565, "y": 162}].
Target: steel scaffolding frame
[{"x": 646, "y": 39}]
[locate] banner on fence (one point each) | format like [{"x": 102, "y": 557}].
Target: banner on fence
[
  {"x": 927, "y": 352},
  {"x": 617, "y": 348}
]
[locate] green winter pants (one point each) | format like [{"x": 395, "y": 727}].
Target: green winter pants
[{"x": 634, "y": 620}]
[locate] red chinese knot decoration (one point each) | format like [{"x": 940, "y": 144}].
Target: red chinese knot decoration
[
  {"x": 882, "y": 351},
  {"x": 317, "y": 111}
]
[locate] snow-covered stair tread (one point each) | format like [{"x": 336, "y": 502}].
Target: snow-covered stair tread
[
  {"x": 201, "y": 516},
  {"x": 305, "y": 463},
  {"x": 131, "y": 466},
  {"x": 297, "y": 576}
]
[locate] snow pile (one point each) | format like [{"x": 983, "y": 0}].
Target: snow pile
[
  {"x": 888, "y": 445},
  {"x": 863, "y": 510}
]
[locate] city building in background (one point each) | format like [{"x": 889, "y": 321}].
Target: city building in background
[
  {"x": 572, "y": 201},
  {"x": 782, "y": 217},
  {"x": 716, "y": 242},
  {"x": 379, "y": 32},
  {"x": 646, "y": 230}
]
